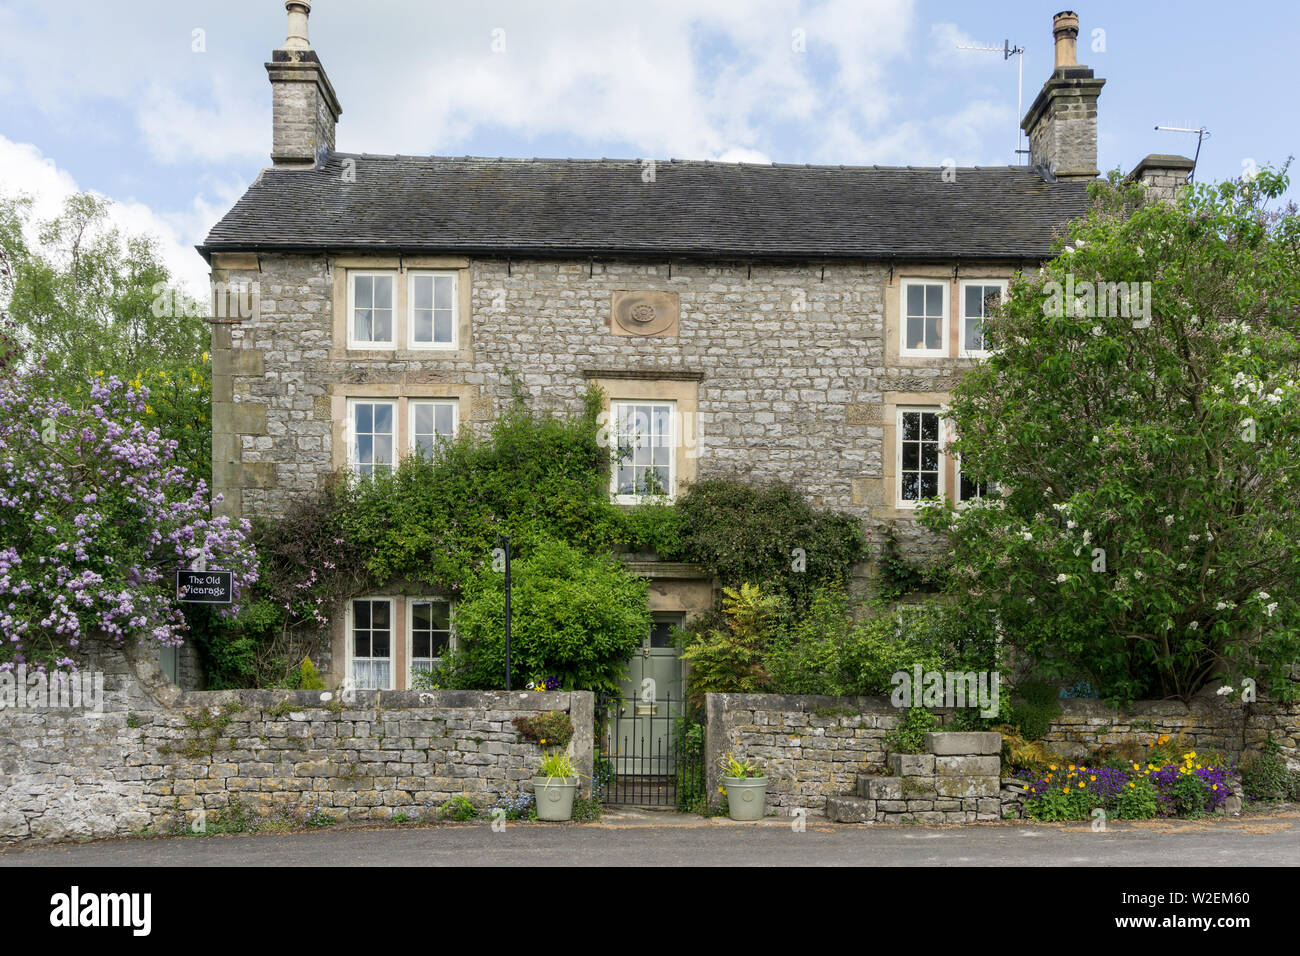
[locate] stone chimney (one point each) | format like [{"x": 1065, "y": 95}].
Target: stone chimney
[
  {"x": 1062, "y": 122},
  {"x": 304, "y": 109},
  {"x": 1163, "y": 175}
]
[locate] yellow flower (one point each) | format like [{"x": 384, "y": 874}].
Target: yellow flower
[
  {"x": 543, "y": 741},
  {"x": 1065, "y": 790},
  {"x": 1071, "y": 766},
  {"x": 1132, "y": 785},
  {"x": 1163, "y": 739},
  {"x": 1051, "y": 767},
  {"x": 1092, "y": 776}
]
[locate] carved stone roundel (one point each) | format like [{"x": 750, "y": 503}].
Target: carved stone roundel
[{"x": 644, "y": 313}]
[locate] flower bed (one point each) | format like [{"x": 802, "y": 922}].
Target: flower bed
[{"x": 1138, "y": 791}]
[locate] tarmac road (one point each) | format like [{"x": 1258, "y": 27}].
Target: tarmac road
[{"x": 648, "y": 838}]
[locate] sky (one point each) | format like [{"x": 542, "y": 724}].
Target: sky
[{"x": 164, "y": 106}]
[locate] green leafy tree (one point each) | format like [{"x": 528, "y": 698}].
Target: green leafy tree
[
  {"x": 575, "y": 616},
  {"x": 1147, "y": 444},
  {"x": 96, "y": 304},
  {"x": 85, "y": 295}
]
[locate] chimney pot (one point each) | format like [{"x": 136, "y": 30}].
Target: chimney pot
[
  {"x": 1062, "y": 121},
  {"x": 304, "y": 108},
  {"x": 1065, "y": 31},
  {"x": 299, "y": 10}
]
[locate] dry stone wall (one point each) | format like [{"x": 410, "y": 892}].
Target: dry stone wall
[
  {"x": 1208, "y": 724},
  {"x": 75, "y": 775},
  {"x": 817, "y": 749}
]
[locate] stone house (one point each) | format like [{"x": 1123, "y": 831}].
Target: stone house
[{"x": 800, "y": 323}]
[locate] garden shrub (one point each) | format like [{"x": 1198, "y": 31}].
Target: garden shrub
[
  {"x": 1035, "y": 706},
  {"x": 1188, "y": 796},
  {"x": 1264, "y": 776},
  {"x": 909, "y": 736},
  {"x": 574, "y": 615},
  {"x": 1137, "y": 801},
  {"x": 749, "y": 533},
  {"x": 898, "y": 576},
  {"x": 727, "y": 653},
  {"x": 95, "y": 515},
  {"x": 309, "y": 677},
  {"x": 828, "y": 652},
  {"x": 1020, "y": 753}
]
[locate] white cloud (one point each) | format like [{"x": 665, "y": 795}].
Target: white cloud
[
  {"x": 24, "y": 169},
  {"x": 685, "y": 80},
  {"x": 981, "y": 133},
  {"x": 945, "y": 42},
  {"x": 176, "y": 130}
]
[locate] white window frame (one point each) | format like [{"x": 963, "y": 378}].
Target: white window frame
[
  {"x": 937, "y": 411},
  {"x": 410, "y": 631},
  {"x": 353, "y": 341},
  {"x": 411, "y": 310},
  {"x": 411, "y": 403},
  {"x": 944, "y": 311},
  {"x": 950, "y": 435},
  {"x": 350, "y": 640},
  {"x": 614, "y": 406},
  {"x": 351, "y": 431},
  {"x": 963, "y": 350},
  {"x": 990, "y": 488}
]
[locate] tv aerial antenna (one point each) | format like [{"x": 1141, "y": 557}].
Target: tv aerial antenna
[
  {"x": 1202, "y": 134},
  {"x": 1008, "y": 51}
]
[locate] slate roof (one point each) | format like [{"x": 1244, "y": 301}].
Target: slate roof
[{"x": 693, "y": 209}]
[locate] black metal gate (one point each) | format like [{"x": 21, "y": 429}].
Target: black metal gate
[{"x": 650, "y": 753}]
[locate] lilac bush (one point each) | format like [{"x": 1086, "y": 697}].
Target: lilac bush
[{"x": 96, "y": 516}]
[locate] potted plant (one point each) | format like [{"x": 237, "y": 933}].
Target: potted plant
[
  {"x": 745, "y": 785},
  {"x": 554, "y": 787}
]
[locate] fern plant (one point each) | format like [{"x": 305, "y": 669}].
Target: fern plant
[{"x": 730, "y": 658}]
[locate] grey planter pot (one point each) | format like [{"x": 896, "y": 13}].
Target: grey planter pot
[
  {"x": 554, "y": 796},
  {"x": 746, "y": 797}
]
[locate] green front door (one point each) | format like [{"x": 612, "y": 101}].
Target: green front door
[{"x": 650, "y": 703}]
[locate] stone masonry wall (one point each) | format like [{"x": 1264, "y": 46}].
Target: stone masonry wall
[
  {"x": 811, "y": 748},
  {"x": 791, "y": 368},
  {"x": 1209, "y": 724},
  {"x": 815, "y": 748},
  {"x": 72, "y": 775}
]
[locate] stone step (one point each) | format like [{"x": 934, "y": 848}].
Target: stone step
[
  {"x": 910, "y": 765},
  {"x": 871, "y": 787},
  {"x": 965, "y": 743},
  {"x": 848, "y": 809}
]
